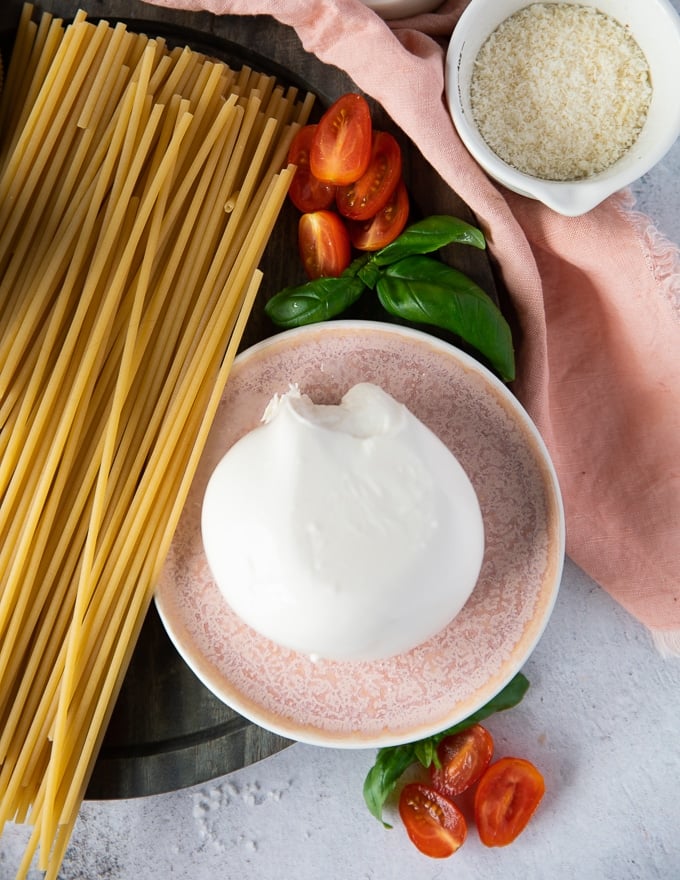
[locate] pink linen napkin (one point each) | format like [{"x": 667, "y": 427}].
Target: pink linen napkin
[{"x": 598, "y": 300}]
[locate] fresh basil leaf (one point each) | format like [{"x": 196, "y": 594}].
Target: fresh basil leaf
[
  {"x": 317, "y": 300},
  {"x": 370, "y": 273},
  {"x": 356, "y": 265},
  {"x": 393, "y": 761},
  {"x": 390, "y": 765},
  {"x": 426, "y": 752},
  {"x": 424, "y": 290},
  {"x": 429, "y": 235}
]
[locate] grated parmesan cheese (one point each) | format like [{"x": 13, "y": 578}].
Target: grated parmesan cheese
[{"x": 560, "y": 91}]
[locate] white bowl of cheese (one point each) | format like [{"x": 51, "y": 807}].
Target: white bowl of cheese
[{"x": 566, "y": 102}]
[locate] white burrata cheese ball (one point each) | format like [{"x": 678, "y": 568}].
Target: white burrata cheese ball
[{"x": 346, "y": 532}]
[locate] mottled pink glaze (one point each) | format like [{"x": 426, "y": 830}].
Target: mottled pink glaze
[{"x": 345, "y": 704}]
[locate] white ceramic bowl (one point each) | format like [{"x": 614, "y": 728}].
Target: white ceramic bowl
[
  {"x": 655, "y": 26},
  {"x": 391, "y": 9}
]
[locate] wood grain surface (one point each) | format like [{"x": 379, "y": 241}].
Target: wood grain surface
[{"x": 167, "y": 730}]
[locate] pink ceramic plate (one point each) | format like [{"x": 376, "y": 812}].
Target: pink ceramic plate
[{"x": 361, "y": 705}]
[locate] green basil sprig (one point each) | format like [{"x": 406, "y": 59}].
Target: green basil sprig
[
  {"x": 413, "y": 287},
  {"x": 425, "y": 291},
  {"x": 393, "y": 761},
  {"x": 429, "y": 235},
  {"x": 319, "y": 300}
]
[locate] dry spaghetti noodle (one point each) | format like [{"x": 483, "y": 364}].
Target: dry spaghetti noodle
[{"x": 132, "y": 225}]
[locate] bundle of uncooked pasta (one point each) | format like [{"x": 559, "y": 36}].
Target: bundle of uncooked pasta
[{"x": 139, "y": 185}]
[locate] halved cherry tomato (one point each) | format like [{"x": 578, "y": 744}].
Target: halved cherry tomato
[
  {"x": 434, "y": 824},
  {"x": 324, "y": 244},
  {"x": 463, "y": 757},
  {"x": 305, "y": 191},
  {"x": 363, "y": 198},
  {"x": 506, "y": 798},
  {"x": 341, "y": 148},
  {"x": 379, "y": 231}
]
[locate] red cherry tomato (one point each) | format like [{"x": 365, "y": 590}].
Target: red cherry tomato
[
  {"x": 434, "y": 824},
  {"x": 506, "y": 798},
  {"x": 363, "y": 198},
  {"x": 463, "y": 757},
  {"x": 324, "y": 244},
  {"x": 341, "y": 148},
  {"x": 305, "y": 191},
  {"x": 379, "y": 231}
]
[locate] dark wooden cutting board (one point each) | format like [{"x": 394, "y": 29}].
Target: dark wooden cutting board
[{"x": 167, "y": 730}]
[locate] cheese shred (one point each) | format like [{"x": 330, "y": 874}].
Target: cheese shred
[{"x": 560, "y": 91}]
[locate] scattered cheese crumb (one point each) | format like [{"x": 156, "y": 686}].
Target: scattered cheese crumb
[{"x": 560, "y": 91}]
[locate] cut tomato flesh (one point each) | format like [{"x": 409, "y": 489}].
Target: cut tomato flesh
[
  {"x": 434, "y": 823},
  {"x": 324, "y": 244},
  {"x": 306, "y": 192},
  {"x": 385, "y": 226},
  {"x": 341, "y": 148},
  {"x": 363, "y": 198},
  {"x": 505, "y": 800},
  {"x": 463, "y": 757}
]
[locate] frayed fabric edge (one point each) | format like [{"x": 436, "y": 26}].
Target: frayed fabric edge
[
  {"x": 661, "y": 254},
  {"x": 663, "y": 259},
  {"x": 667, "y": 642}
]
